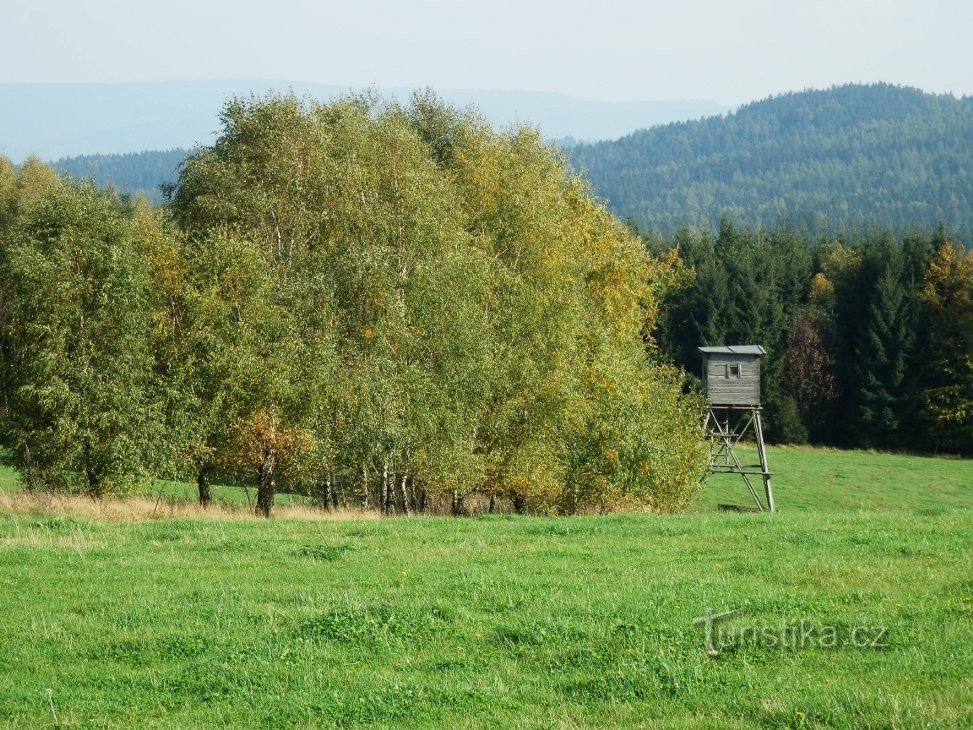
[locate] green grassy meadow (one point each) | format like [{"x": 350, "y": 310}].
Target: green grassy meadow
[
  {"x": 509, "y": 621},
  {"x": 830, "y": 480}
]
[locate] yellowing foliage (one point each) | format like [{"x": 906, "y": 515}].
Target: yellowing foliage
[{"x": 405, "y": 301}]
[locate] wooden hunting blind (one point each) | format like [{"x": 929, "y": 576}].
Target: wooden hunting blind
[
  {"x": 731, "y": 383},
  {"x": 731, "y": 374}
]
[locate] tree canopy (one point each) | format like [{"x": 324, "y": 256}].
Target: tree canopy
[{"x": 381, "y": 304}]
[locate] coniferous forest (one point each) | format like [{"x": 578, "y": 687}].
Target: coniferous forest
[
  {"x": 869, "y": 338},
  {"x": 136, "y": 173},
  {"x": 833, "y": 161}
]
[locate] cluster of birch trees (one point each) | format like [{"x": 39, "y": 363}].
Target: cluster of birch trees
[{"x": 382, "y": 305}]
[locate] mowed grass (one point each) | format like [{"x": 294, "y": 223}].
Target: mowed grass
[
  {"x": 830, "y": 480},
  {"x": 508, "y": 621}
]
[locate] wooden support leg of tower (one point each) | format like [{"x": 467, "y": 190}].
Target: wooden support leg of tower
[
  {"x": 728, "y": 439},
  {"x": 746, "y": 478},
  {"x": 762, "y": 452}
]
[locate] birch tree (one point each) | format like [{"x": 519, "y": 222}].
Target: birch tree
[
  {"x": 82, "y": 407},
  {"x": 434, "y": 293}
]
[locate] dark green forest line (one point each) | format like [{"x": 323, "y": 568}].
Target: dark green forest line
[
  {"x": 835, "y": 161},
  {"x": 136, "y": 173},
  {"x": 870, "y": 337}
]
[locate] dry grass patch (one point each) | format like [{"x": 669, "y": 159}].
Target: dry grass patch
[
  {"x": 41, "y": 536},
  {"x": 142, "y": 509}
]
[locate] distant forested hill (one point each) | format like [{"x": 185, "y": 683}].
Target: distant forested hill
[
  {"x": 849, "y": 157},
  {"x": 135, "y": 172}
]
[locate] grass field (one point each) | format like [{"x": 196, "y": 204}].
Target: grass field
[
  {"x": 829, "y": 480},
  {"x": 508, "y": 621}
]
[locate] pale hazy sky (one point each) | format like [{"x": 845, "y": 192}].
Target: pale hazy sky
[{"x": 731, "y": 51}]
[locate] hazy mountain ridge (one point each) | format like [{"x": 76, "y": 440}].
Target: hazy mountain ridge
[
  {"x": 56, "y": 121},
  {"x": 850, "y": 156}
]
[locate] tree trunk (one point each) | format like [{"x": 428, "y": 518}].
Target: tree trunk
[
  {"x": 202, "y": 483},
  {"x": 386, "y": 501},
  {"x": 364, "y": 481},
  {"x": 94, "y": 484},
  {"x": 405, "y": 496},
  {"x": 266, "y": 484},
  {"x": 493, "y": 503},
  {"x": 326, "y": 495},
  {"x": 334, "y": 490},
  {"x": 94, "y": 480},
  {"x": 457, "y": 503},
  {"x": 520, "y": 504}
]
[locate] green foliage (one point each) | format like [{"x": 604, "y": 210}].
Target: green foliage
[
  {"x": 8, "y": 183},
  {"x": 34, "y": 181},
  {"x": 747, "y": 287},
  {"x": 947, "y": 344},
  {"x": 867, "y": 337},
  {"x": 571, "y": 396},
  {"x": 82, "y": 404},
  {"x": 447, "y": 290},
  {"x": 628, "y": 447},
  {"x": 835, "y": 160},
  {"x": 882, "y": 349}
]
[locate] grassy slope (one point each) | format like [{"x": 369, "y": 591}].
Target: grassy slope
[
  {"x": 506, "y": 621},
  {"x": 810, "y": 479}
]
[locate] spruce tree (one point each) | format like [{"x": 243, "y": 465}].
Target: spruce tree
[{"x": 883, "y": 350}]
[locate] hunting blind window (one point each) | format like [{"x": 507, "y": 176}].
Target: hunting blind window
[{"x": 732, "y": 371}]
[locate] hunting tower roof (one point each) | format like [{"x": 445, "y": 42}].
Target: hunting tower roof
[{"x": 734, "y": 350}]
